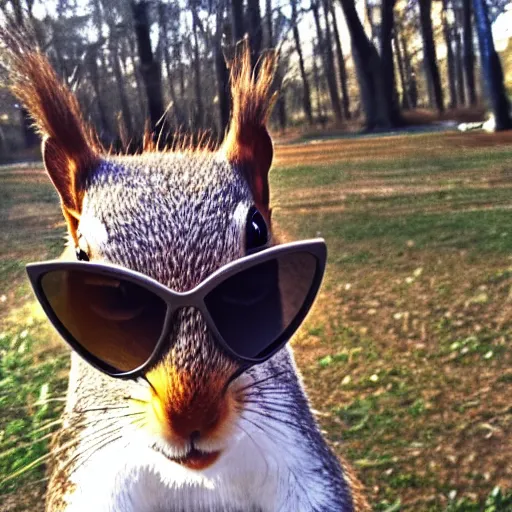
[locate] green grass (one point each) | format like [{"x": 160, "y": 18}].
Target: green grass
[
  {"x": 32, "y": 387},
  {"x": 408, "y": 351},
  {"x": 33, "y": 367},
  {"x": 478, "y": 231},
  {"x": 407, "y": 354},
  {"x": 348, "y": 167}
]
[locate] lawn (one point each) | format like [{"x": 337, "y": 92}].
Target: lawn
[{"x": 407, "y": 354}]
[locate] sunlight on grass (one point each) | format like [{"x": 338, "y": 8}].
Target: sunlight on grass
[
  {"x": 406, "y": 351},
  {"x": 406, "y": 355}
]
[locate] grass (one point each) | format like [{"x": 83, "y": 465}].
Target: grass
[
  {"x": 407, "y": 354},
  {"x": 33, "y": 365}
]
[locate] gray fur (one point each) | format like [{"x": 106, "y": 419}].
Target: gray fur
[{"x": 177, "y": 217}]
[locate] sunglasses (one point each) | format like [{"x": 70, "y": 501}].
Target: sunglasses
[{"x": 119, "y": 320}]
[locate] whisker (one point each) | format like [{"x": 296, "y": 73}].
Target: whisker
[
  {"x": 99, "y": 409},
  {"x": 273, "y": 419},
  {"x": 258, "y": 447},
  {"x": 281, "y": 405},
  {"x": 261, "y": 381},
  {"x": 105, "y": 441}
]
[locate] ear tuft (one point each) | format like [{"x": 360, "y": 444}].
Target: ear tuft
[
  {"x": 70, "y": 147},
  {"x": 247, "y": 142}
]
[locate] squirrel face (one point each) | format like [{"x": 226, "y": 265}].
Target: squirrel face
[
  {"x": 175, "y": 216},
  {"x": 177, "y": 219}
]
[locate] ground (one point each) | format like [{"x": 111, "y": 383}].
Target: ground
[{"x": 406, "y": 356}]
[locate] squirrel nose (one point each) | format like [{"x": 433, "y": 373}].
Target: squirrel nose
[
  {"x": 186, "y": 410},
  {"x": 194, "y": 437},
  {"x": 193, "y": 422}
]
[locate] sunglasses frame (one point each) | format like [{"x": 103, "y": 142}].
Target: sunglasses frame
[{"x": 177, "y": 300}]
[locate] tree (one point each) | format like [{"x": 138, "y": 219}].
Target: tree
[
  {"x": 447, "y": 33},
  {"x": 429, "y": 56},
  {"x": 342, "y": 71},
  {"x": 406, "y": 103},
  {"x": 459, "y": 68},
  {"x": 469, "y": 54},
  {"x": 30, "y": 136},
  {"x": 324, "y": 44},
  {"x": 376, "y": 99},
  {"x": 113, "y": 44},
  {"x": 196, "y": 62},
  {"x": 149, "y": 66},
  {"x": 164, "y": 12},
  {"x": 254, "y": 28},
  {"x": 386, "y": 55},
  {"x": 221, "y": 70},
  {"x": 306, "y": 96},
  {"x": 491, "y": 67},
  {"x": 92, "y": 63},
  {"x": 237, "y": 20},
  {"x": 278, "y": 78}
]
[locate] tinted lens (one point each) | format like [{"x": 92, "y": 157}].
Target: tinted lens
[
  {"x": 253, "y": 308},
  {"x": 115, "y": 320}
]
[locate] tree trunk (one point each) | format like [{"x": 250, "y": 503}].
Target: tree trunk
[
  {"x": 177, "y": 47},
  {"x": 406, "y": 103},
  {"x": 162, "y": 20},
  {"x": 237, "y": 20},
  {"x": 387, "y": 63},
  {"x": 125, "y": 105},
  {"x": 342, "y": 70},
  {"x": 269, "y": 23},
  {"x": 459, "y": 69},
  {"x": 92, "y": 56},
  {"x": 469, "y": 54},
  {"x": 138, "y": 80},
  {"x": 150, "y": 68},
  {"x": 222, "y": 73},
  {"x": 377, "y": 105},
  {"x": 429, "y": 56},
  {"x": 327, "y": 58},
  {"x": 447, "y": 32},
  {"x": 278, "y": 79},
  {"x": 412, "y": 86},
  {"x": 491, "y": 67},
  {"x": 199, "y": 110},
  {"x": 368, "y": 9},
  {"x": 306, "y": 97},
  {"x": 254, "y": 29},
  {"x": 318, "y": 87}
]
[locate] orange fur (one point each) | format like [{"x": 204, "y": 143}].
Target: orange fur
[
  {"x": 247, "y": 142},
  {"x": 181, "y": 404}
]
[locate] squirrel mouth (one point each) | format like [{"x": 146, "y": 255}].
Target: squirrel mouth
[{"x": 197, "y": 460}]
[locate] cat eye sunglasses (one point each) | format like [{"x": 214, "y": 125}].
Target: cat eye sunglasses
[{"x": 120, "y": 320}]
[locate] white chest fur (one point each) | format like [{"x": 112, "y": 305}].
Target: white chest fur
[{"x": 256, "y": 474}]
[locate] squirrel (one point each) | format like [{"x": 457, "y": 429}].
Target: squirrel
[{"x": 176, "y": 216}]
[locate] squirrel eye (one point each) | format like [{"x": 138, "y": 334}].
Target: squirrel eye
[
  {"x": 256, "y": 231},
  {"x": 81, "y": 255}
]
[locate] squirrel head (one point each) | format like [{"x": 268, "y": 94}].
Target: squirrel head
[{"x": 175, "y": 216}]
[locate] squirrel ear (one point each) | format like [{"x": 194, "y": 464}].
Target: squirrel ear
[
  {"x": 70, "y": 148},
  {"x": 247, "y": 143}
]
